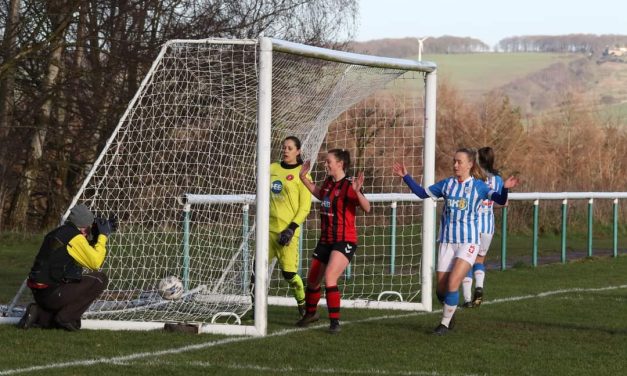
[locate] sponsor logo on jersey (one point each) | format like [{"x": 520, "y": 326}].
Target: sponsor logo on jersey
[
  {"x": 276, "y": 187},
  {"x": 457, "y": 203},
  {"x": 289, "y": 177},
  {"x": 325, "y": 203}
]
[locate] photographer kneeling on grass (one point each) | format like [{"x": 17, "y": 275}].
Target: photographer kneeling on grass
[{"x": 61, "y": 290}]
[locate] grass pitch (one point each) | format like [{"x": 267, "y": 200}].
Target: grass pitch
[{"x": 558, "y": 319}]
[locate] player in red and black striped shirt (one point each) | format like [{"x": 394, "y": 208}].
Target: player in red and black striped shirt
[{"x": 339, "y": 197}]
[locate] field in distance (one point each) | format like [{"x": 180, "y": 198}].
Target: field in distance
[{"x": 538, "y": 82}]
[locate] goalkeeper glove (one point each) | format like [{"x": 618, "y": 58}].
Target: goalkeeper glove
[{"x": 286, "y": 235}]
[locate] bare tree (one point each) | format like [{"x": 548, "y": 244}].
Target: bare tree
[
  {"x": 7, "y": 84},
  {"x": 70, "y": 67}
]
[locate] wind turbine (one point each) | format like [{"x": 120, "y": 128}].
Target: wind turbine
[{"x": 420, "y": 41}]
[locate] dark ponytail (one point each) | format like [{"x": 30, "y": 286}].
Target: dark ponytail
[
  {"x": 486, "y": 160},
  {"x": 344, "y": 156}
]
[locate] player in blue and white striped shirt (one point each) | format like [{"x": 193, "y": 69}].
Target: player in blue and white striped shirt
[
  {"x": 486, "y": 230},
  {"x": 459, "y": 231}
]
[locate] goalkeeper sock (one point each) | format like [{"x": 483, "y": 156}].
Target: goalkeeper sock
[
  {"x": 312, "y": 297},
  {"x": 479, "y": 274},
  {"x": 296, "y": 284},
  {"x": 333, "y": 302}
]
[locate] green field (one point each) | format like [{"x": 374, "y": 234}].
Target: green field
[
  {"x": 538, "y": 82},
  {"x": 478, "y": 73},
  {"x": 551, "y": 320}
]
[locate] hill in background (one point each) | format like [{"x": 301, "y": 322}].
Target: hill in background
[{"x": 537, "y": 82}]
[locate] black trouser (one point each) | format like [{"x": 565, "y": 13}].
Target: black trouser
[{"x": 68, "y": 301}]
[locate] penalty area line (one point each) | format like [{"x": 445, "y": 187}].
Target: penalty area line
[
  {"x": 315, "y": 370},
  {"x": 279, "y": 333}
]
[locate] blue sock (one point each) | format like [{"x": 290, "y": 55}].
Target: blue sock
[
  {"x": 452, "y": 298},
  {"x": 476, "y": 267}
]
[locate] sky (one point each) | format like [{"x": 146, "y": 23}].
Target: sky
[{"x": 489, "y": 20}]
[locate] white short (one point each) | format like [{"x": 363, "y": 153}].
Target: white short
[
  {"x": 485, "y": 240},
  {"x": 449, "y": 251}
]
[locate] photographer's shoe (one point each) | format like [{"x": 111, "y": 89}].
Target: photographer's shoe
[{"x": 29, "y": 320}]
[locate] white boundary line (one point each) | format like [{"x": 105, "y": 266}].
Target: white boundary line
[
  {"x": 316, "y": 370},
  {"x": 225, "y": 341}
]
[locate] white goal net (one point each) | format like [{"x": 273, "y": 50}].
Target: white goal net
[{"x": 181, "y": 174}]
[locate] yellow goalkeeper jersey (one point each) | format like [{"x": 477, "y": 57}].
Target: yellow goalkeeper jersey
[{"x": 290, "y": 200}]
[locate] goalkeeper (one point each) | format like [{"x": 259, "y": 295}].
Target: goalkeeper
[
  {"x": 290, "y": 202},
  {"x": 61, "y": 291}
]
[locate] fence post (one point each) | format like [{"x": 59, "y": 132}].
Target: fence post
[
  {"x": 536, "y": 209},
  {"x": 590, "y": 227},
  {"x": 564, "y": 221},
  {"x": 615, "y": 243},
  {"x": 504, "y": 239}
]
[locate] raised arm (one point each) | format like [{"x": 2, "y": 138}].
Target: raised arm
[
  {"x": 400, "y": 170},
  {"x": 315, "y": 190},
  {"x": 501, "y": 198},
  {"x": 357, "y": 184}
]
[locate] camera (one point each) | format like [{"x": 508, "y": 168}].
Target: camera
[{"x": 112, "y": 221}]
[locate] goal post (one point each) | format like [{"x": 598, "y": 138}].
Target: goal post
[{"x": 187, "y": 173}]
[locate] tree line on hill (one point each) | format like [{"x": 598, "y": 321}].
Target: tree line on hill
[
  {"x": 586, "y": 43},
  {"x": 408, "y": 47}
]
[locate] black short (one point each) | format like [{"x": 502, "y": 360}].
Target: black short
[{"x": 323, "y": 251}]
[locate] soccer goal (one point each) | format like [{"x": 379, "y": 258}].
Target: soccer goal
[{"x": 187, "y": 173}]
